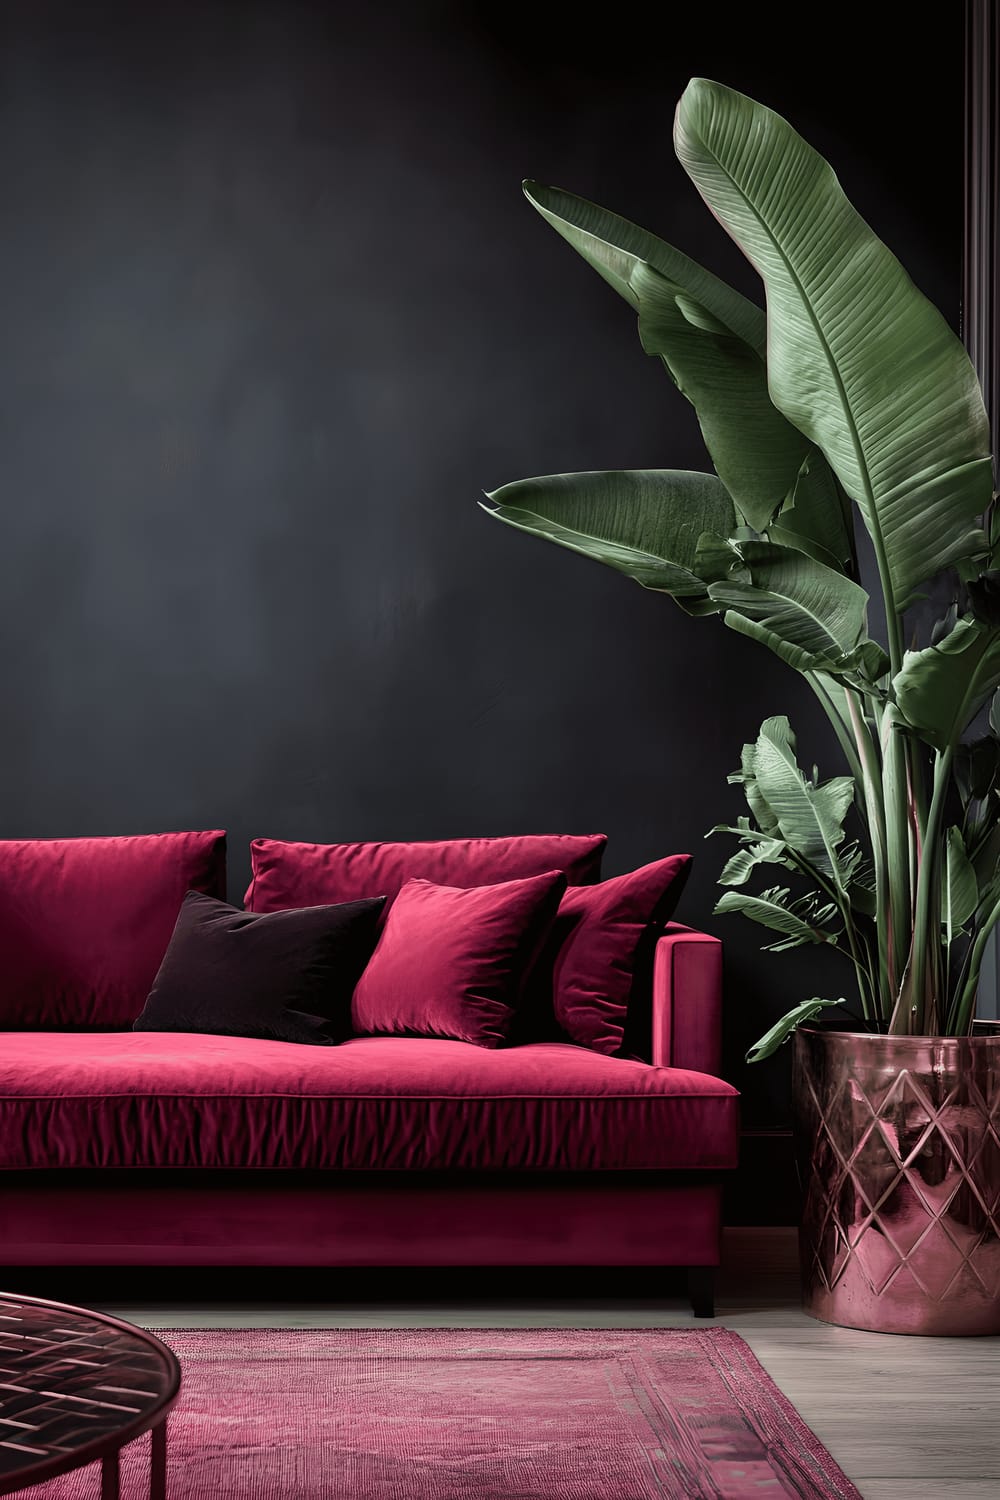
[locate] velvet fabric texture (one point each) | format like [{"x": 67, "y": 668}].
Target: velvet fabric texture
[
  {"x": 474, "y": 1414},
  {"x": 159, "y": 1099},
  {"x": 248, "y": 1217},
  {"x": 287, "y": 976},
  {"x": 601, "y": 947},
  {"x": 84, "y": 923},
  {"x": 287, "y": 874},
  {"x": 453, "y": 962}
]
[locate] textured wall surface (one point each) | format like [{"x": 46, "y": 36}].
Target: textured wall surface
[{"x": 274, "y": 313}]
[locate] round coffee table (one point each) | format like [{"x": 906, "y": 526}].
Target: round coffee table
[{"x": 76, "y": 1386}]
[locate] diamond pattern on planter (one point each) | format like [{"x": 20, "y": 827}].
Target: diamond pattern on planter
[{"x": 902, "y": 1176}]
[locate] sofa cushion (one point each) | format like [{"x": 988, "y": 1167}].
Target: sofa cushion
[
  {"x": 84, "y": 923},
  {"x": 286, "y": 975},
  {"x": 157, "y": 1099},
  {"x": 451, "y": 961},
  {"x": 287, "y": 874},
  {"x": 601, "y": 944}
]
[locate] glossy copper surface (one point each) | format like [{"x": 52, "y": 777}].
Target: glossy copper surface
[{"x": 899, "y": 1152}]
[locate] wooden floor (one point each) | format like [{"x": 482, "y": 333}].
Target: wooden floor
[{"x": 906, "y": 1418}]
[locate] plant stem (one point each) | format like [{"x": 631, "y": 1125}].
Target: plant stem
[
  {"x": 959, "y": 986},
  {"x": 843, "y": 905},
  {"x": 925, "y": 960},
  {"x": 840, "y": 728},
  {"x": 897, "y": 841},
  {"x": 871, "y": 783},
  {"x": 895, "y": 779},
  {"x": 960, "y": 1019}
]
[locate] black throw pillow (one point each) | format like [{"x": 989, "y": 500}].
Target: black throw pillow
[{"x": 287, "y": 976}]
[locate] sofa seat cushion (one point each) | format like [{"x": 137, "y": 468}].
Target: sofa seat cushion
[{"x": 164, "y": 1099}]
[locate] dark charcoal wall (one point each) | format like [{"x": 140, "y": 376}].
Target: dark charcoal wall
[{"x": 275, "y": 312}]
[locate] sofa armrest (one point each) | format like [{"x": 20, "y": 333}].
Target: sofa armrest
[{"x": 687, "y": 1000}]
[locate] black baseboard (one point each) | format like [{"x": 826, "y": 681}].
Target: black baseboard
[
  {"x": 764, "y": 1190},
  {"x": 311, "y": 1286}
]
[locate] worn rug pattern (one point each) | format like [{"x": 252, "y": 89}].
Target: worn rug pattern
[{"x": 475, "y": 1414}]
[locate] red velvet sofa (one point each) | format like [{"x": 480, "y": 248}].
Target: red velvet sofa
[{"x": 121, "y": 1147}]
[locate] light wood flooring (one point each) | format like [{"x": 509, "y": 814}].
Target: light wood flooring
[{"x": 906, "y": 1418}]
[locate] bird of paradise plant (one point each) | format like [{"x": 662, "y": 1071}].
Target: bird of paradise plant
[{"x": 849, "y": 399}]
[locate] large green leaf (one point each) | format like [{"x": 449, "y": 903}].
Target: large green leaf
[
  {"x": 940, "y": 690},
  {"x": 614, "y": 247},
  {"x": 812, "y": 616},
  {"x": 712, "y": 341},
  {"x": 802, "y": 921},
  {"x": 717, "y": 557},
  {"x": 959, "y": 891},
  {"x": 985, "y": 857},
  {"x": 976, "y": 769},
  {"x": 858, "y": 358},
  {"x": 746, "y": 777},
  {"x": 809, "y": 817},
  {"x": 818, "y": 517},
  {"x": 643, "y": 522},
  {"x": 780, "y": 1032},
  {"x": 761, "y": 458},
  {"x": 793, "y": 655},
  {"x": 740, "y": 866}
]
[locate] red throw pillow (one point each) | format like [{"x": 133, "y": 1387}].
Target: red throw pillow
[
  {"x": 84, "y": 923},
  {"x": 325, "y": 874},
  {"x": 597, "y": 945},
  {"x": 451, "y": 962}
]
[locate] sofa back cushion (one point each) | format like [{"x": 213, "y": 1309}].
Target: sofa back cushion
[
  {"x": 84, "y": 923},
  {"x": 452, "y": 962},
  {"x": 288, "y": 874},
  {"x": 596, "y": 965}
]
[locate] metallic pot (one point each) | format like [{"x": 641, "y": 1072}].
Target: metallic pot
[{"x": 898, "y": 1140}]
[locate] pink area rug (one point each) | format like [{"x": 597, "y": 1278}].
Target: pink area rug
[{"x": 475, "y": 1414}]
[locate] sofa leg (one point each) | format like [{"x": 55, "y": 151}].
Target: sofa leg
[{"x": 701, "y": 1290}]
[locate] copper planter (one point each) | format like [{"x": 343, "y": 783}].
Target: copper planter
[{"x": 899, "y": 1156}]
